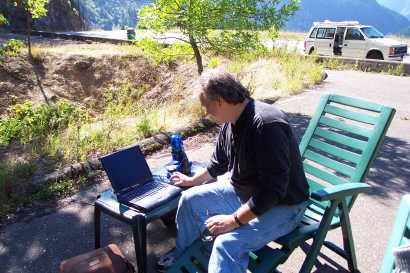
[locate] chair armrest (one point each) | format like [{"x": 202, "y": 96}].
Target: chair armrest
[{"x": 339, "y": 191}]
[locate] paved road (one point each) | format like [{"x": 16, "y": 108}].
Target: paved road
[{"x": 40, "y": 245}]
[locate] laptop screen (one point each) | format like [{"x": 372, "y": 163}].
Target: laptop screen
[{"x": 126, "y": 168}]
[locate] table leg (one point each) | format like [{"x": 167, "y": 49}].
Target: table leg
[
  {"x": 97, "y": 227},
  {"x": 139, "y": 229}
]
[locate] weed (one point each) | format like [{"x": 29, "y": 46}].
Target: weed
[
  {"x": 12, "y": 187},
  {"x": 144, "y": 127},
  {"x": 396, "y": 70},
  {"x": 276, "y": 84},
  {"x": 13, "y": 48},
  {"x": 159, "y": 53},
  {"x": 213, "y": 63},
  {"x": 333, "y": 63},
  {"x": 25, "y": 122}
]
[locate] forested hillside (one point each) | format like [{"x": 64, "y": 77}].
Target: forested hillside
[
  {"x": 400, "y": 6},
  {"x": 364, "y": 11},
  {"x": 112, "y": 14}
]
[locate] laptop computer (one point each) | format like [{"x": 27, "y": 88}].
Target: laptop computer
[{"x": 133, "y": 182}]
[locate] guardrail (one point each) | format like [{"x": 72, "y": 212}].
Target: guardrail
[{"x": 371, "y": 65}]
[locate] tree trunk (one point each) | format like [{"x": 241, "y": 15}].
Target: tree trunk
[
  {"x": 28, "y": 26},
  {"x": 198, "y": 56}
]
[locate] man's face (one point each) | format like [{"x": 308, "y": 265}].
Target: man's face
[{"x": 212, "y": 108}]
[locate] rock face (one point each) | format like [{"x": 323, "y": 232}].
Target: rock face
[{"x": 60, "y": 17}]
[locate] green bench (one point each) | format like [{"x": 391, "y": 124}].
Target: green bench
[{"x": 400, "y": 235}]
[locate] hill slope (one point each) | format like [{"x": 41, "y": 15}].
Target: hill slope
[{"x": 400, "y": 6}]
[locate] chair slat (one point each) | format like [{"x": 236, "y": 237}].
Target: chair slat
[
  {"x": 350, "y": 128},
  {"x": 197, "y": 253},
  {"x": 313, "y": 185},
  {"x": 319, "y": 173},
  {"x": 341, "y": 139},
  {"x": 362, "y": 104},
  {"x": 333, "y": 150},
  {"x": 329, "y": 163},
  {"x": 191, "y": 267},
  {"x": 349, "y": 114}
]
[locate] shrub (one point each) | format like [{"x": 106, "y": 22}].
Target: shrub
[{"x": 24, "y": 122}]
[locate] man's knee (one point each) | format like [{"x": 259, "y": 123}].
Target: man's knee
[
  {"x": 188, "y": 195},
  {"x": 225, "y": 243}
]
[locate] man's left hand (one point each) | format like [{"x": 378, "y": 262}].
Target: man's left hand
[{"x": 221, "y": 223}]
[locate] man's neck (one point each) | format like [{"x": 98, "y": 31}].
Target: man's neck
[{"x": 237, "y": 110}]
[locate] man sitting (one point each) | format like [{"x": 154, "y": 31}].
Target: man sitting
[{"x": 265, "y": 196}]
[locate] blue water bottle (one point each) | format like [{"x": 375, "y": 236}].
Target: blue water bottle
[{"x": 179, "y": 156}]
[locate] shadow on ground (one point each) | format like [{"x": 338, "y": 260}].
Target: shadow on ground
[{"x": 40, "y": 245}]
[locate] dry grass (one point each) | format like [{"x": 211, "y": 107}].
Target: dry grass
[
  {"x": 288, "y": 35},
  {"x": 93, "y": 49}
]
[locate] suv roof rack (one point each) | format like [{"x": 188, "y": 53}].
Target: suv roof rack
[{"x": 341, "y": 23}]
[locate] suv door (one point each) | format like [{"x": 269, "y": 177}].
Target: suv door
[
  {"x": 324, "y": 41},
  {"x": 354, "y": 45}
]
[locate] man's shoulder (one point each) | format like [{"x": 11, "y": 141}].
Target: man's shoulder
[{"x": 267, "y": 114}]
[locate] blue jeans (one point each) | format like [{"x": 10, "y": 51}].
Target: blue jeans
[{"x": 230, "y": 250}]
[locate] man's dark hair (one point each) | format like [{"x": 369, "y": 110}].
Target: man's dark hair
[{"x": 216, "y": 82}]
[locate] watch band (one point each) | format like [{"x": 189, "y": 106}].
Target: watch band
[{"x": 235, "y": 216}]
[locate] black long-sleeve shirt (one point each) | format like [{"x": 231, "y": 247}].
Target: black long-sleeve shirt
[{"x": 262, "y": 154}]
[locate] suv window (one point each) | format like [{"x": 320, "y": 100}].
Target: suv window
[
  {"x": 313, "y": 34},
  {"x": 353, "y": 34},
  {"x": 320, "y": 33},
  {"x": 330, "y": 33}
]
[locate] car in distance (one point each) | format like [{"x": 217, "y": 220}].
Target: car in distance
[{"x": 350, "y": 39}]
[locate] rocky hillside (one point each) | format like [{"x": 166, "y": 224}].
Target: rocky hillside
[{"x": 61, "y": 17}]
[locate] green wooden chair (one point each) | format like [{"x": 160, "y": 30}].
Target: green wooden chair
[
  {"x": 337, "y": 150},
  {"x": 400, "y": 235}
]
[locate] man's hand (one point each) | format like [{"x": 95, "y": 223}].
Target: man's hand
[
  {"x": 181, "y": 180},
  {"x": 221, "y": 223}
]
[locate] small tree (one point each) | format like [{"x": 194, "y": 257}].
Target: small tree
[
  {"x": 220, "y": 25},
  {"x": 33, "y": 9}
]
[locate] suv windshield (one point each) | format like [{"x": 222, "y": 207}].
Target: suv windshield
[{"x": 371, "y": 32}]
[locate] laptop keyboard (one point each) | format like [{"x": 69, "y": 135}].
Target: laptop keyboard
[{"x": 143, "y": 191}]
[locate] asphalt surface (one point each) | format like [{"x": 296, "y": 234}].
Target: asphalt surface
[{"x": 41, "y": 244}]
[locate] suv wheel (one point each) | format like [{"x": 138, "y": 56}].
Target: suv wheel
[
  {"x": 311, "y": 50},
  {"x": 375, "y": 55}
]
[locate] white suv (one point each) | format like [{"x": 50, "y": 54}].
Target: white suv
[{"x": 351, "y": 40}]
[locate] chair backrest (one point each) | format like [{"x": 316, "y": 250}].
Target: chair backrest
[
  {"x": 342, "y": 140},
  {"x": 400, "y": 235}
]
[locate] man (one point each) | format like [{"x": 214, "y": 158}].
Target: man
[{"x": 266, "y": 194}]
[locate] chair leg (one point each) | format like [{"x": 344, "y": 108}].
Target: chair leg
[
  {"x": 318, "y": 239},
  {"x": 97, "y": 227},
  {"x": 348, "y": 243}
]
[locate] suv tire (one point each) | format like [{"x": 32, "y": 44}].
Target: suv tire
[
  {"x": 311, "y": 50},
  {"x": 375, "y": 55}
]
